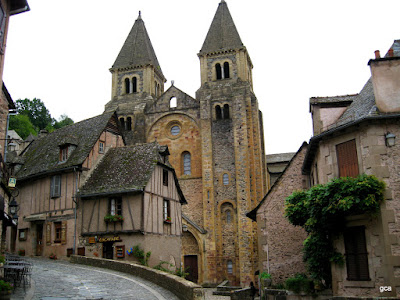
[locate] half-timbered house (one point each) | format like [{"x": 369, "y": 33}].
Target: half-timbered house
[
  {"x": 49, "y": 173},
  {"x": 132, "y": 198}
]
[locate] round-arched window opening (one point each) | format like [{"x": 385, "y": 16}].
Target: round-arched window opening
[{"x": 175, "y": 130}]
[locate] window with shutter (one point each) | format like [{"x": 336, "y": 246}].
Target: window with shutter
[
  {"x": 347, "y": 159},
  {"x": 356, "y": 254},
  {"x": 55, "y": 186}
]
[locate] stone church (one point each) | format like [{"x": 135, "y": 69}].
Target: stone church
[{"x": 216, "y": 143}]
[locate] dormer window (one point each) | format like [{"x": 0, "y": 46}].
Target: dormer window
[{"x": 63, "y": 153}]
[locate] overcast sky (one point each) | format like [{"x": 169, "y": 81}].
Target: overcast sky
[{"x": 61, "y": 52}]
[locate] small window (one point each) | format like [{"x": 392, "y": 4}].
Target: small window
[
  {"x": 229, "y": 266},
  {"x": 187, "y": 163},
  {"x": 57, "y": 232},
  {"x": 228, "y": 216},
  {"x": 226, "y": 111},
  {"x": 101, "y": 147},
  {"x": 225, "y": 179},
  {"x": 129, "y": 123},
  {"x": 347, "y": 159},
  {"x": 122, "y": 122},
  {"x": 218, "y": 112},
  {"x": 115, "y": 206},
  {"x": 226, "y": 70},
  {"x": 127, "y": 86},
  {"x": 55, "y": 186},
  {"x": 134, "y": 85},
  {"x": 63, "y": 153},
  {"x": 156, "y": 88},
  {"x": 218, "y": 71},
  {"x": 165, "y": 177},
  {"x": 166, "y": 210},
  {"x": 175, "y": 130},
  {"x": 172, "y": 102}
]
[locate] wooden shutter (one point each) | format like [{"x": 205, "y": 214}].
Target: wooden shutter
[
  {"x": 347, "y": 159},
  {"x": 64, "y": 232},
  {"x": 356, "y": 254},
  {"x": 48, "y": 233}
]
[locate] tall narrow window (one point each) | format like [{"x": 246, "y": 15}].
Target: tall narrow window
[
  {"x": 115, "y": 206},
  {"x": 127, "y": 86},
  {"x": 229, "y": 267},
  {"x": 129, "y": 123},
  {"x": 165, "y": 177},
  {"x": 225, "y": 179},
  {"x": 226, "y": 111},
  {"x": 57, "y": 232},
  {"x": 55, "y": 186},
  {"x": 63, "y": 153},
  {"x": 172, "y": 102},
  {"x": 122, "y": 122},
  {"x": 347, "y": 159},
  {"x": 166, "y": 210},
  {"x": 218, "y": 112},
  {"x": 101, "y": 147},
  {"x": 226, "y": 70},
  {"x": 187, "y": 163},
  {"x": 356, "y": 254},
  {"x": 228, "y": 216},
  {"x": 134, "y": 85},
  {"x": 156, "y": 88},
  {"x": 218, "y": 71}
]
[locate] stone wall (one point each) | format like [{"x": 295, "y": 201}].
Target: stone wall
[
  {"x": 183, "y": 289},
  {"x": 280, "y": 243}
]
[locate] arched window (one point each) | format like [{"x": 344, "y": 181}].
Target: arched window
[
  {"x": 172, "y": 102},
  {"x": 226, "y": 111},
  {"x": 122, "y": 121},
  {"x": 187, "y": 163},
  {"x": 127, "y": 85},
  {"x": 159, "y": 90},
  {"x": 218, "y": 112},
  {"x": 225, "y": 179},
  {"x": 218, "y": 71},
  {"x": 155, "y": 89},
  {"x": 229, "y": 267},
  {"x": 129, "y": 123},
  {"x": 226, "y": 70},
  {"x": 134, "y": 85}
]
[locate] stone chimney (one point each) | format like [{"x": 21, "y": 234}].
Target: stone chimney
[
  {"x": 386, "y": 81},
  {"x": 43, "y": 132}
]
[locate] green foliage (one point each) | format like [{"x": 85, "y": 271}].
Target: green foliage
[
  {"x": 322, "y": 211},
  {"x": 5, "y": 286},
  {"x": 36, "y": 111},
  {"x": 2, "y": 259},
  {"x": 178, "y": 271},
  {"x": 141, "y": 255},
  {"x": 22, "y": 125},
  {"x": 265, "y": 275},
  {"x": 64, "y": 120},
  {"x": 113, "y": 218},
  {"x": 299, "y": 283}
]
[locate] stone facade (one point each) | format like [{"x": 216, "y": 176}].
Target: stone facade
[
  {"x": 215, "y": 140},
  {"x": 280, "y": 243}
]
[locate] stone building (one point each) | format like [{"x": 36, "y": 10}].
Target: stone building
[
  {"x": 215, "y": 140},
  {"x": 280, "y": 243}
]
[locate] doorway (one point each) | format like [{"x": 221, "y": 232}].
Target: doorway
[
  {"x": 39, "y": 239},
  {"x": 108, "y": 250},
  {"x": 191, "y": 266}
]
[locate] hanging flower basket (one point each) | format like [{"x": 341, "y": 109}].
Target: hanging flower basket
[{"x": 168, "y": 220}]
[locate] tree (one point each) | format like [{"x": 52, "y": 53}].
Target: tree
[
  {"x": 36, "y": 111},
  {"x": 64, "y": 120},
  {"x": 22, "y": 125}
]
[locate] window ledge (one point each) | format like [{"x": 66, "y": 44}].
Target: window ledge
[{"x": 366, "y": 283}]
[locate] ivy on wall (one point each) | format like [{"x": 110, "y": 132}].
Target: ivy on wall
[{"x": 322, "y": 212}]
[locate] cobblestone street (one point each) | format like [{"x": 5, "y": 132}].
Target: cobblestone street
[{"x": 61, "y": 280}]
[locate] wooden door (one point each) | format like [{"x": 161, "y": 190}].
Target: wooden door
[
  {"x": 39, "y": 239},
  {"x": 191, "y": 267},
  {"x": 108, "y": 250}
]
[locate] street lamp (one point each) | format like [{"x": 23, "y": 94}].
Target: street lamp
[{"x": 14, "y": 208}]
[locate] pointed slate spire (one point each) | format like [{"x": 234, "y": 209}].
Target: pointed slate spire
[
  {"x": 137, "y": 49},
  {"x": 222, "y": 34}
]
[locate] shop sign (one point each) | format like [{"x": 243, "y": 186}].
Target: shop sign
[
  {"x": 92, "y": 240},
  {"x": 109, "y": 239}
]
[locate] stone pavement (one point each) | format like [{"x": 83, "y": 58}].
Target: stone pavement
[{"x": 61, "y": 280}]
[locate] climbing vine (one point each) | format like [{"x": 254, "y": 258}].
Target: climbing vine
[{"x": 322, "y": 210}]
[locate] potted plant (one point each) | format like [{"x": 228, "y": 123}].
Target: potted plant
[
  {"x": 113, "y": 218},
  {"x": 5, "y": 289},
  {"x": 52, "y": 256},
  {"x": 21, "y": 252},
  {"x": 265, "y": 279},
  {"x": 168, "y": 220}
]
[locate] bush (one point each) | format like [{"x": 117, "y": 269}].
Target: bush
[
  {"x": 5, "y": 286},
  {"x": 299, "y": 283}
]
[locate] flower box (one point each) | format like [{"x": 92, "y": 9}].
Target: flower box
[{"x": 113, "y": 218}]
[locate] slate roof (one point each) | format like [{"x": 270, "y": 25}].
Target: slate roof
[
  {"x": 222, "y": 34},
  {"x": 126, "y": 169},
  {"x": 42, "y": 156},
  {"x": 137, "y": 49}
]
